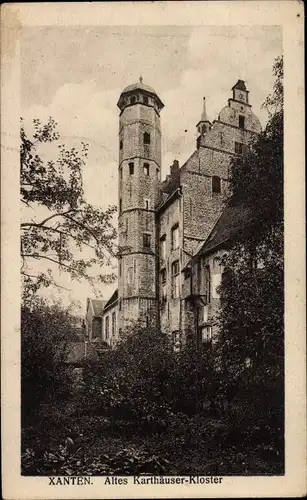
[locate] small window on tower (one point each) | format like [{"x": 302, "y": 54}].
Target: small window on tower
[
  {"x": 241, "y": 121},
  {"x": 145, "y": 99},
  {"x": 146, "y": 168},
  {"x": 131, "y": 168},
  {"x": 216, "y": 184},
  {"x": 120, "y": 205},
  {"x": 120, "y": 144},
  {"x": 132, "y": 100},
  {"x": 157, "y": 172},
  {"x": 146, "y": 240},
  {"x": 146, "y": 138},
  {"x": 146, "y": 203}
]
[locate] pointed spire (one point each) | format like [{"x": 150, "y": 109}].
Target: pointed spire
[
  {"x": 141, "y": 79},
  {"x": 204, "y": 117}
]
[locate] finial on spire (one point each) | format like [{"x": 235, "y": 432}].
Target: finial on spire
[{"x": 141, "y": 79}]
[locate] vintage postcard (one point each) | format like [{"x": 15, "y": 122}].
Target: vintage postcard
[{"x": 153, "y": 262}]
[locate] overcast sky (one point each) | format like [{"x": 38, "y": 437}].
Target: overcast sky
[{"x": 76, "y": 75}]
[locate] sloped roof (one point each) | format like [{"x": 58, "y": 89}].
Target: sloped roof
[
  {"x": 240, "y": 85},
  {"x": 232, "y": 219},
  {"x": 98, "y": 306},
  {"x": 112, "y": 299}
]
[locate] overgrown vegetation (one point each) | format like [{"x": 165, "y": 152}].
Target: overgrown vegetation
[{"x": 143, "y": 408}]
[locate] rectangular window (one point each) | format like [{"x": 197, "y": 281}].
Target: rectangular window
[
  {"x": 163, "y": 247},
  {"x": 146, "y": 138},
  {"x": 158, "y": 173},
  {"x": 130, "y": 276},
  {"x": 120, "y": 268},
  {"x": 146, "y": 168},
  {"x": 120, "y": 144},
  {"x": 146, "y": 240},
  {"x": 132, "y": 99},
  {"x": 206, "y": 334},
  {"x": 216, "y": 184},
  {"x": 131, "y": 168},
  {"x": 107, "y": 327},
  {"x": 175, "y": 279},
  {"x": 121, "y": 173},
  {"x": 216, "y": 281},
  {"x": 147, "y": 203},
  {"x": 241, "y": 121},
  {"x": 120, "y": 205},
  {"x": 113, "y": 324},
  {"x": 238, "y": 148},
  {"x": 145, "y": 99},
  {"x": 175, "y": 237},
  {"x": 163, "y": 283}
]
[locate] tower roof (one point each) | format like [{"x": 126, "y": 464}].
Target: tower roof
[
  {"x": 204, "y": 117},
  {"x": 240, "y": 85},
  {"x": 140, "y": 86}
]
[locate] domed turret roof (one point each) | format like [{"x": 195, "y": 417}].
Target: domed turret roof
[{"x": 139, "y": 86}]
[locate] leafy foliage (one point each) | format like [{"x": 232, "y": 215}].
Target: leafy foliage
[
  {"x": 45, "y": 331},
  {"x": 251, "y": 341},
  {"x": 60, "y": 462},
  {"x": 69, "y": 225}
]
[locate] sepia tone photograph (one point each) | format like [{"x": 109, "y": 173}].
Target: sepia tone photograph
[
  {"x": 153, "y": 225},
  {"x": 152, "y": 251}
]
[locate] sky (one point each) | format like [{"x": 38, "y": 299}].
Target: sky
[{"x": 76, "y": 74}]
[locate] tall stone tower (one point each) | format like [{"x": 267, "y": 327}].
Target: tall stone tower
[{"x": 139, "y": 179}]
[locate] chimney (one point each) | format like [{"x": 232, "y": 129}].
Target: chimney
[{"x": 175, "y": 167}]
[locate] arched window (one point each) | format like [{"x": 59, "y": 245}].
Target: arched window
[{"x": 146, "y": 138}]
